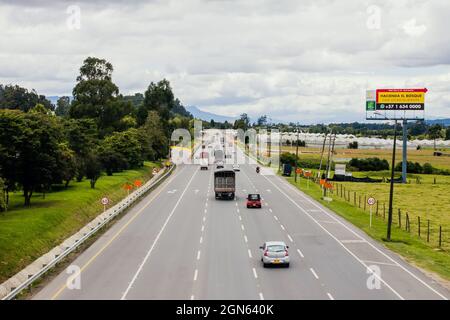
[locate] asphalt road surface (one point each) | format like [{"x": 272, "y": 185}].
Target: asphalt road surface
[{"x": 181, "y": 243}]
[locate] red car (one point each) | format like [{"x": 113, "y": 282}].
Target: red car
[{"x": 254, "y": 200}]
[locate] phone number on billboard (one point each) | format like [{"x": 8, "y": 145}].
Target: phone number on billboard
[{"x": 400, "y": 106}]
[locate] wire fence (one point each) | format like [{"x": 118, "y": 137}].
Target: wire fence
[{"x": 431, "y": 232}]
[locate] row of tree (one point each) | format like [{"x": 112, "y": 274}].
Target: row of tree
[{"x": 97, "y": 131}]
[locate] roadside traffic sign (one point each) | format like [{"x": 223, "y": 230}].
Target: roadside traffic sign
[
  {"x": 371, "y": 201},
  {"x": 105, "y": 201}
]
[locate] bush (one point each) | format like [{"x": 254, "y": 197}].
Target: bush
[
  {"x": 427, "y": 168},
  {"x": 287, "y": 157},
  {"x": 369, "y": 164},
  {"x": 353, "y": 145},
  {"x": 411, "y": 167}
]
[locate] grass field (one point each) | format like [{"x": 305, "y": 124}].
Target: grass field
[
  {"x": 421, "y": 156},
  {"x": 414, "y": 249},
  {"x": 27, "y": 233},
  {"x": 426, "y": 200}
]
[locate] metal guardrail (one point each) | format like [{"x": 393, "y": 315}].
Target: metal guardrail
[{"x": 115, "y": 210}]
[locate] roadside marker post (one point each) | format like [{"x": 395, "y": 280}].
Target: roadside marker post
[
  {"x": 105, "y": 202},
  {"x": 370, "y": 201}
]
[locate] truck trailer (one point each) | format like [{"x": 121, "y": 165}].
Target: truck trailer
[{"x": 224, "y": 184}]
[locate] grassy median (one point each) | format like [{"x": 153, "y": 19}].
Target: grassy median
[
  {"x": 26, "y": 233},
  {"x": 407, "y": 244}
]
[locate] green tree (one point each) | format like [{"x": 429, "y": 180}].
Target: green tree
[
  {"x": 447, "y": 133},
  {"x": 243, "y": 122},
  {"x": 15, "y": 97},
  {"x": 434, "y": 133},
  {"x": 66, "y": 164},
  {"x": 93, "y": 168},
  {"x": 29, "y": 150},
  {"x": 262, "y": 121},
  {"x": 63, "y": 107},
  {"x": 156, "y": 138},
  {"x": 158, "y": 97},
  {"x": 128, "y": 145},
  {"x": 81, "y": 135},
  {"x": 112, "y": 161},
  {"x": 97, "y": 97},
  {"x": 39, "y": 108}
]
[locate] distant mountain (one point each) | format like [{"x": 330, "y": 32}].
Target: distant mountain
[
  {"x": 444, "y": 122},
  {"x": 207, "y": 116}
]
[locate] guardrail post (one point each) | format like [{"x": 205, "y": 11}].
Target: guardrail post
[
  {"x": 428, "y": 230},
  {"x": 399, "y": 218},
  {"x": 440, "y": 236}
]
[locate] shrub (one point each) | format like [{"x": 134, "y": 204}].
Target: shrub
[
  {"x": 369, "y": 164},
  {"x": 427, "y": 168},
  {"x": 411, "y": 167},
  {"x": 353, "y": 145}
]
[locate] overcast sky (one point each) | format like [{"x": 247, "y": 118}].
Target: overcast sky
[{"x": 307, "y": 61}]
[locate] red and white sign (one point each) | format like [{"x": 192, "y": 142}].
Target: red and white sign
[
  {"x": 105, "y": 201},
  {"x": 371, "y": 201}
]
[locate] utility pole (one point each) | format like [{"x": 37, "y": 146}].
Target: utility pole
[
  {"x": 328, "y": 162},
  {"x": 405, "y": 150},
  {"x": 321, "y": 155},
  {"x": 391, "y": 191},
  {"x": 296, "y": 156}
]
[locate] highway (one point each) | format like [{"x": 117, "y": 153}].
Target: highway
[{"x": 181, "y": 243}]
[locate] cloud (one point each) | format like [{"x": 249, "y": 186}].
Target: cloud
[{"x": 289, "y": 59}]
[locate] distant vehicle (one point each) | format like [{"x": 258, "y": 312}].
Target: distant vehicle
[
  {"x": 204, "y": 162},
  {"x": 220, "y": 165},
  {"x": 275, "y": 253},
  {"x": 254, "y": 200},
  {"x": 287, "y": 169},
  {"x": 236, "y": 167},
  {"x": 218, "y": 155},
  {"x": 224, "y": 184}
]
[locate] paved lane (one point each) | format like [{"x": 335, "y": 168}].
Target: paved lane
[{"x": 181, "y": 243}]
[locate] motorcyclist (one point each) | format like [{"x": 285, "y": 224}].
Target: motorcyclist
[{"x": 257, "y": 169}]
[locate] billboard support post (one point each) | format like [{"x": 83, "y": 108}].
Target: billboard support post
[{"x": 405, "y": 148}]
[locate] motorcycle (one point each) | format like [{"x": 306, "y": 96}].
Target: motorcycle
[{"x": 257, "y": 169}]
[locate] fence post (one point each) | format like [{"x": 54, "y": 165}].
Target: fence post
[
  {"x": 349, "y": 199},
  {"x": 418, "y": 223},
  {"x": 365, "y": 201},
  {"x": 407, "y": 221},
  {"x": 428, "y": 230},
  {"x": 399, "y": 218},
  {"x": 354, "y": 198},
  {"x": 376, "y": 212},
  {"x": 440, "y": 236},
  {"x": 384, "y": 211},
  {"x": 359, "y": 203}
]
